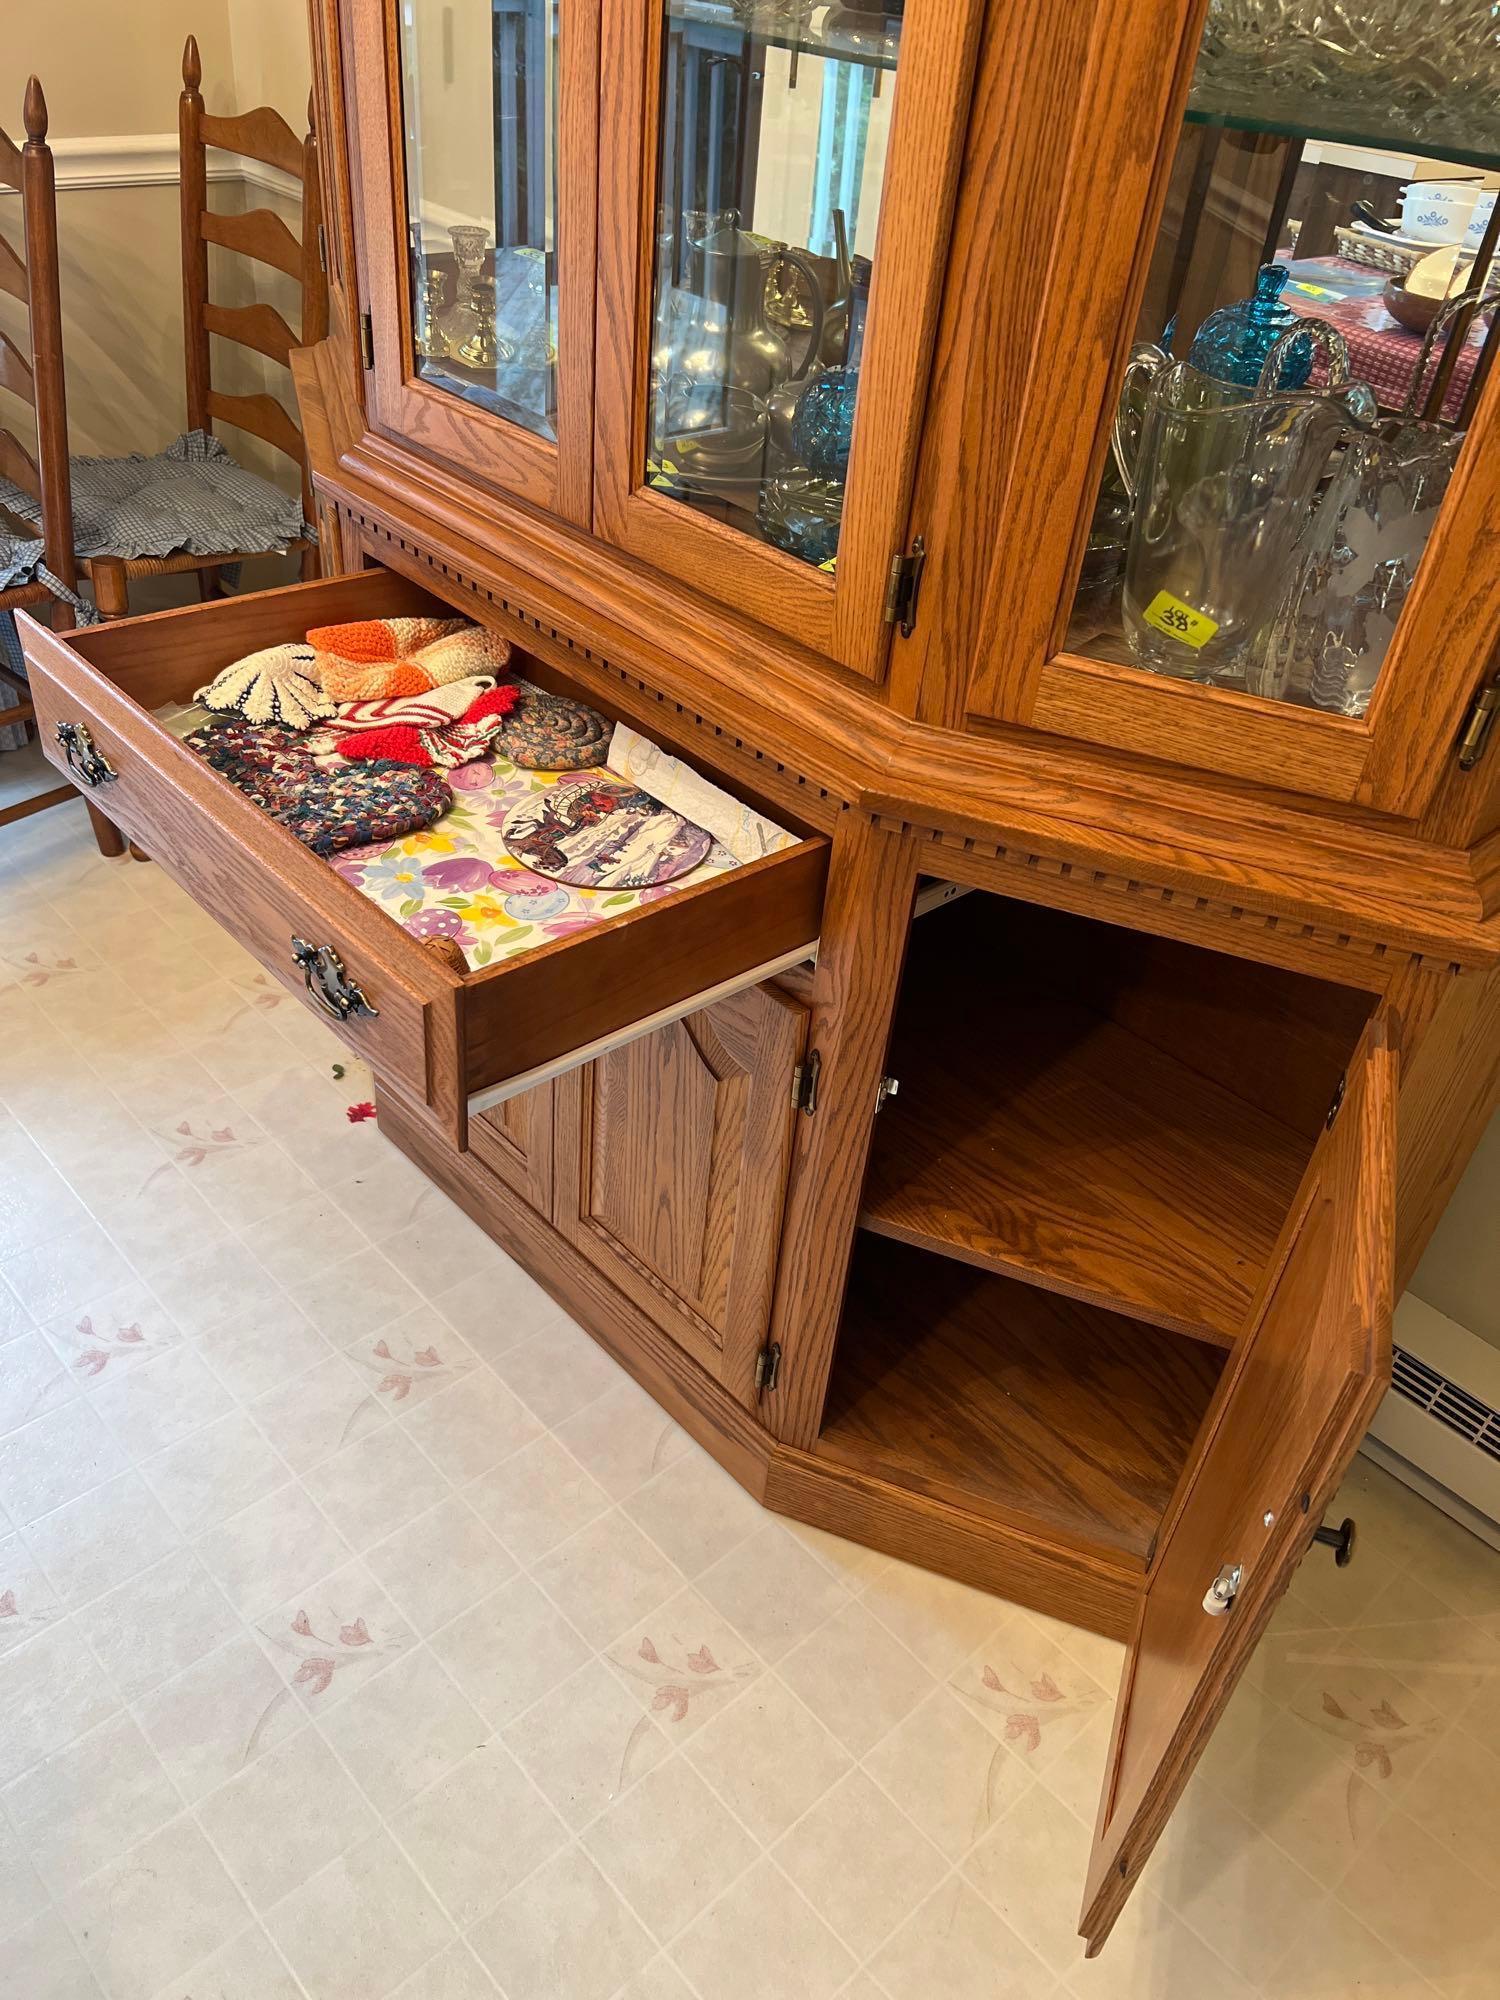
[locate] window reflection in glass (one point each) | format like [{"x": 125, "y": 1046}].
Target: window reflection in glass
[
  {"x": 479, "y": 104},
  {"x": 774, "y": 121}
]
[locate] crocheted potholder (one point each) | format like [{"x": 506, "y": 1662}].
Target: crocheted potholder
[
  {"x": 278, "y": 685},
  {"x": 362, "y": 803},
  {"x": 326, "y": 809},
  {"x": 548, "y": 732},
  {"x": 382, "y": 657},
  {"x": 469, "y": 736},
  {"x": 602, "y": 833},
  {"x": 433, "y": 709}
]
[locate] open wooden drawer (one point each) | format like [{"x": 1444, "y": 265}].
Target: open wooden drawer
[{"x": 439, "y": 1037}]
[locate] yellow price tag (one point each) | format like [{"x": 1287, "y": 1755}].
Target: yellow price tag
[
  {"x": 1180, "y": 621},
  {"x": 1313, "y": 291}
]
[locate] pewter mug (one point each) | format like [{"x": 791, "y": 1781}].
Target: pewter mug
[{"x": 1224, "y": 483}]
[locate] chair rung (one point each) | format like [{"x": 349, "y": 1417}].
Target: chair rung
[
  {"x": 24, "y": 808},
  {"x": 258, "y": 234}
]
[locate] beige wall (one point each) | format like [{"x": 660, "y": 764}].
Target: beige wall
[
  {"x": 115, "y": 71},
  {"x": 1460, "y": 1274}
]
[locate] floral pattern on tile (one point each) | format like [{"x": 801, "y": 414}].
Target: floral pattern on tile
[
  {"x": 1028, "y": 1704},
  {"x": 341, "y": 1632},
  {"x": 1378, "y": 1732},
  {"x": 99, "y": 1341},
  {"x": 402, "y": 1369},
  {"x": 676, "y": 1680},
  {"x": 457, "y": 880}
]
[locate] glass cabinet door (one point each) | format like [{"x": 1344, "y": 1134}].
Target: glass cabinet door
[
  {"x": 479, "y": 111},
  {"x": 797, "y": 169},
  {"x": 490, "y": 110},
  {"x": 1283, "y": 517}
]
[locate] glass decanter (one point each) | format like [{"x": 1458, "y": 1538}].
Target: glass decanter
[{"x": 1232, "y": 343}]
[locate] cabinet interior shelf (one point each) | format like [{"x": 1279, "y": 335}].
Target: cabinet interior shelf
[
  {"x": 1049, "y": 1416},
  {"x": 1117, "y": 1118}
]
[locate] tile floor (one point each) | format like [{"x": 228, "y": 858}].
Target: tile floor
[{"x": 365, "y": 1633}]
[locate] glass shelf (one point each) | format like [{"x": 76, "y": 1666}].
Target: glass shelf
[
  {"x": 1331, "y": 130},
  {"x": 771, "y": 28}
]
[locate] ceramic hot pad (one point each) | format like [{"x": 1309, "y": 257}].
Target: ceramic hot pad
[{"x": 598, "y": 831}]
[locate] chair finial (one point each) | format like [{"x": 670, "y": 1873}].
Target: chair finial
[
  {"x": 35, "y": 110},
  {"x": 192, "y": 67}
]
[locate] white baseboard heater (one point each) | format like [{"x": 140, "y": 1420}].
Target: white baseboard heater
[{"x": 1438, "y": 1430}]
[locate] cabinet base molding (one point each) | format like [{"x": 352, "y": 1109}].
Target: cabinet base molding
[
  {"x": 1043, "y": 1576},
  {"x": 1050, "y": 1577}
]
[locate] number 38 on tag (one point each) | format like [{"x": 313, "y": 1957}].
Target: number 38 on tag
[{"x": 1180, "y": 621}]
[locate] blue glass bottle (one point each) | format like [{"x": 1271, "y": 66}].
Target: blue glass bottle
[
  {"x": 823, "y": 424},
  {"x": 1233, "y": 342}
]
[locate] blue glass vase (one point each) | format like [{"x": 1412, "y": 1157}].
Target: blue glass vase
[
  {"x": 823, "y": 423},
  {"x": 1233, "y": 342}
]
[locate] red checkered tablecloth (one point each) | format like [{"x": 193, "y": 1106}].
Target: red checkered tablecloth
[{"x": 1382, "y": 352}]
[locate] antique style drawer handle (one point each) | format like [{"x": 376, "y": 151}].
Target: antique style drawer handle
[
  {"x": 87, "y": 764},
  {"x": 328, "y": 983}
]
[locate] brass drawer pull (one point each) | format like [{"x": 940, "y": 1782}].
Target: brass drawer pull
[
  {"x": 86, "y": 763},
  {"x": 328, "y": 983}
]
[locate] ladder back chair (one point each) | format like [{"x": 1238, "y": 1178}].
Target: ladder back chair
[
  {"x": 262, "y": 135},
  {"x": 30, "y": 274}
]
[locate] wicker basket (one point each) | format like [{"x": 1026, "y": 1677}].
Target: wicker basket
[{"x": 1375, "y": 252}]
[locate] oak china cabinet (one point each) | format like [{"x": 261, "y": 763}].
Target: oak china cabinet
[{"x": 996, "y": 443}]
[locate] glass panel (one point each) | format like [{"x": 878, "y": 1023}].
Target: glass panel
[
  {"x": 774, "y": 121},
  {"x": 1262, "y": 513},
  {"x": 479, "y": 106}
]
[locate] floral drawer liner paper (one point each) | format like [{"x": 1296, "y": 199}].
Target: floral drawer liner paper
[{"x": 457, "y": 881}]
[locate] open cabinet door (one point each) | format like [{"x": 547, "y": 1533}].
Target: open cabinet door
[{"x": 1294, "y": 1403}]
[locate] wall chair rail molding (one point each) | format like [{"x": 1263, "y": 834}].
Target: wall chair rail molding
[{"x": 149, "y": 159}]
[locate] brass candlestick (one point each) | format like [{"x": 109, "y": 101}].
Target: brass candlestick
[
  {"x": 484, "y": 348},
  {"x": 431, "y": 341}
]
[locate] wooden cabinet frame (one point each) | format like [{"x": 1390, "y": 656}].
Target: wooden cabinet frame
[
  {"x": 1059, "y": 351},
  {"x": 843, "y": 616},
  {"x": 476, "y": 442}
]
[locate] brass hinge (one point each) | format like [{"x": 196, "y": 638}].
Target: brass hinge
[
  {"x": 1478, "y": 723},
  {"x": 902, "y": 584},
  {"x": 767, "y": 1368},
  {"x": 366, "y": 341},
  {"x": 805, "y": 1083},
  {"x": 322, "y": 250}
]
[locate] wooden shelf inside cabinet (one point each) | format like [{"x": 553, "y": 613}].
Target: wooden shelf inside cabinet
[
  {"x": 1065, "y": 1111},
  {"x": 1051, "y": 1416}
]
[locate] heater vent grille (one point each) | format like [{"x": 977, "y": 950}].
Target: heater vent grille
[{"x": 1452, "y": 1406}]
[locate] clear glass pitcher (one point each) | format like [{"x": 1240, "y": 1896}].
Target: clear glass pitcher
[
  {"x": 1330, "y": 641},
  {"x": 1224, "y": 484}
]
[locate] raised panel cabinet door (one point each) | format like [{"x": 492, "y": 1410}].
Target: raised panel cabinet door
[
  {"x": 1267, "y": 566},
  {"x": 476, "y": 156},
  {"x": 1296, "y": 1398},
  {"x": 671, "y": 1172},
  {"x": 514, "y": 1140},
  {"x": 774, "y": 205}
]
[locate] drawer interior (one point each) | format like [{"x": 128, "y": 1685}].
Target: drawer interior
[{"x": 617, "y": 963}]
